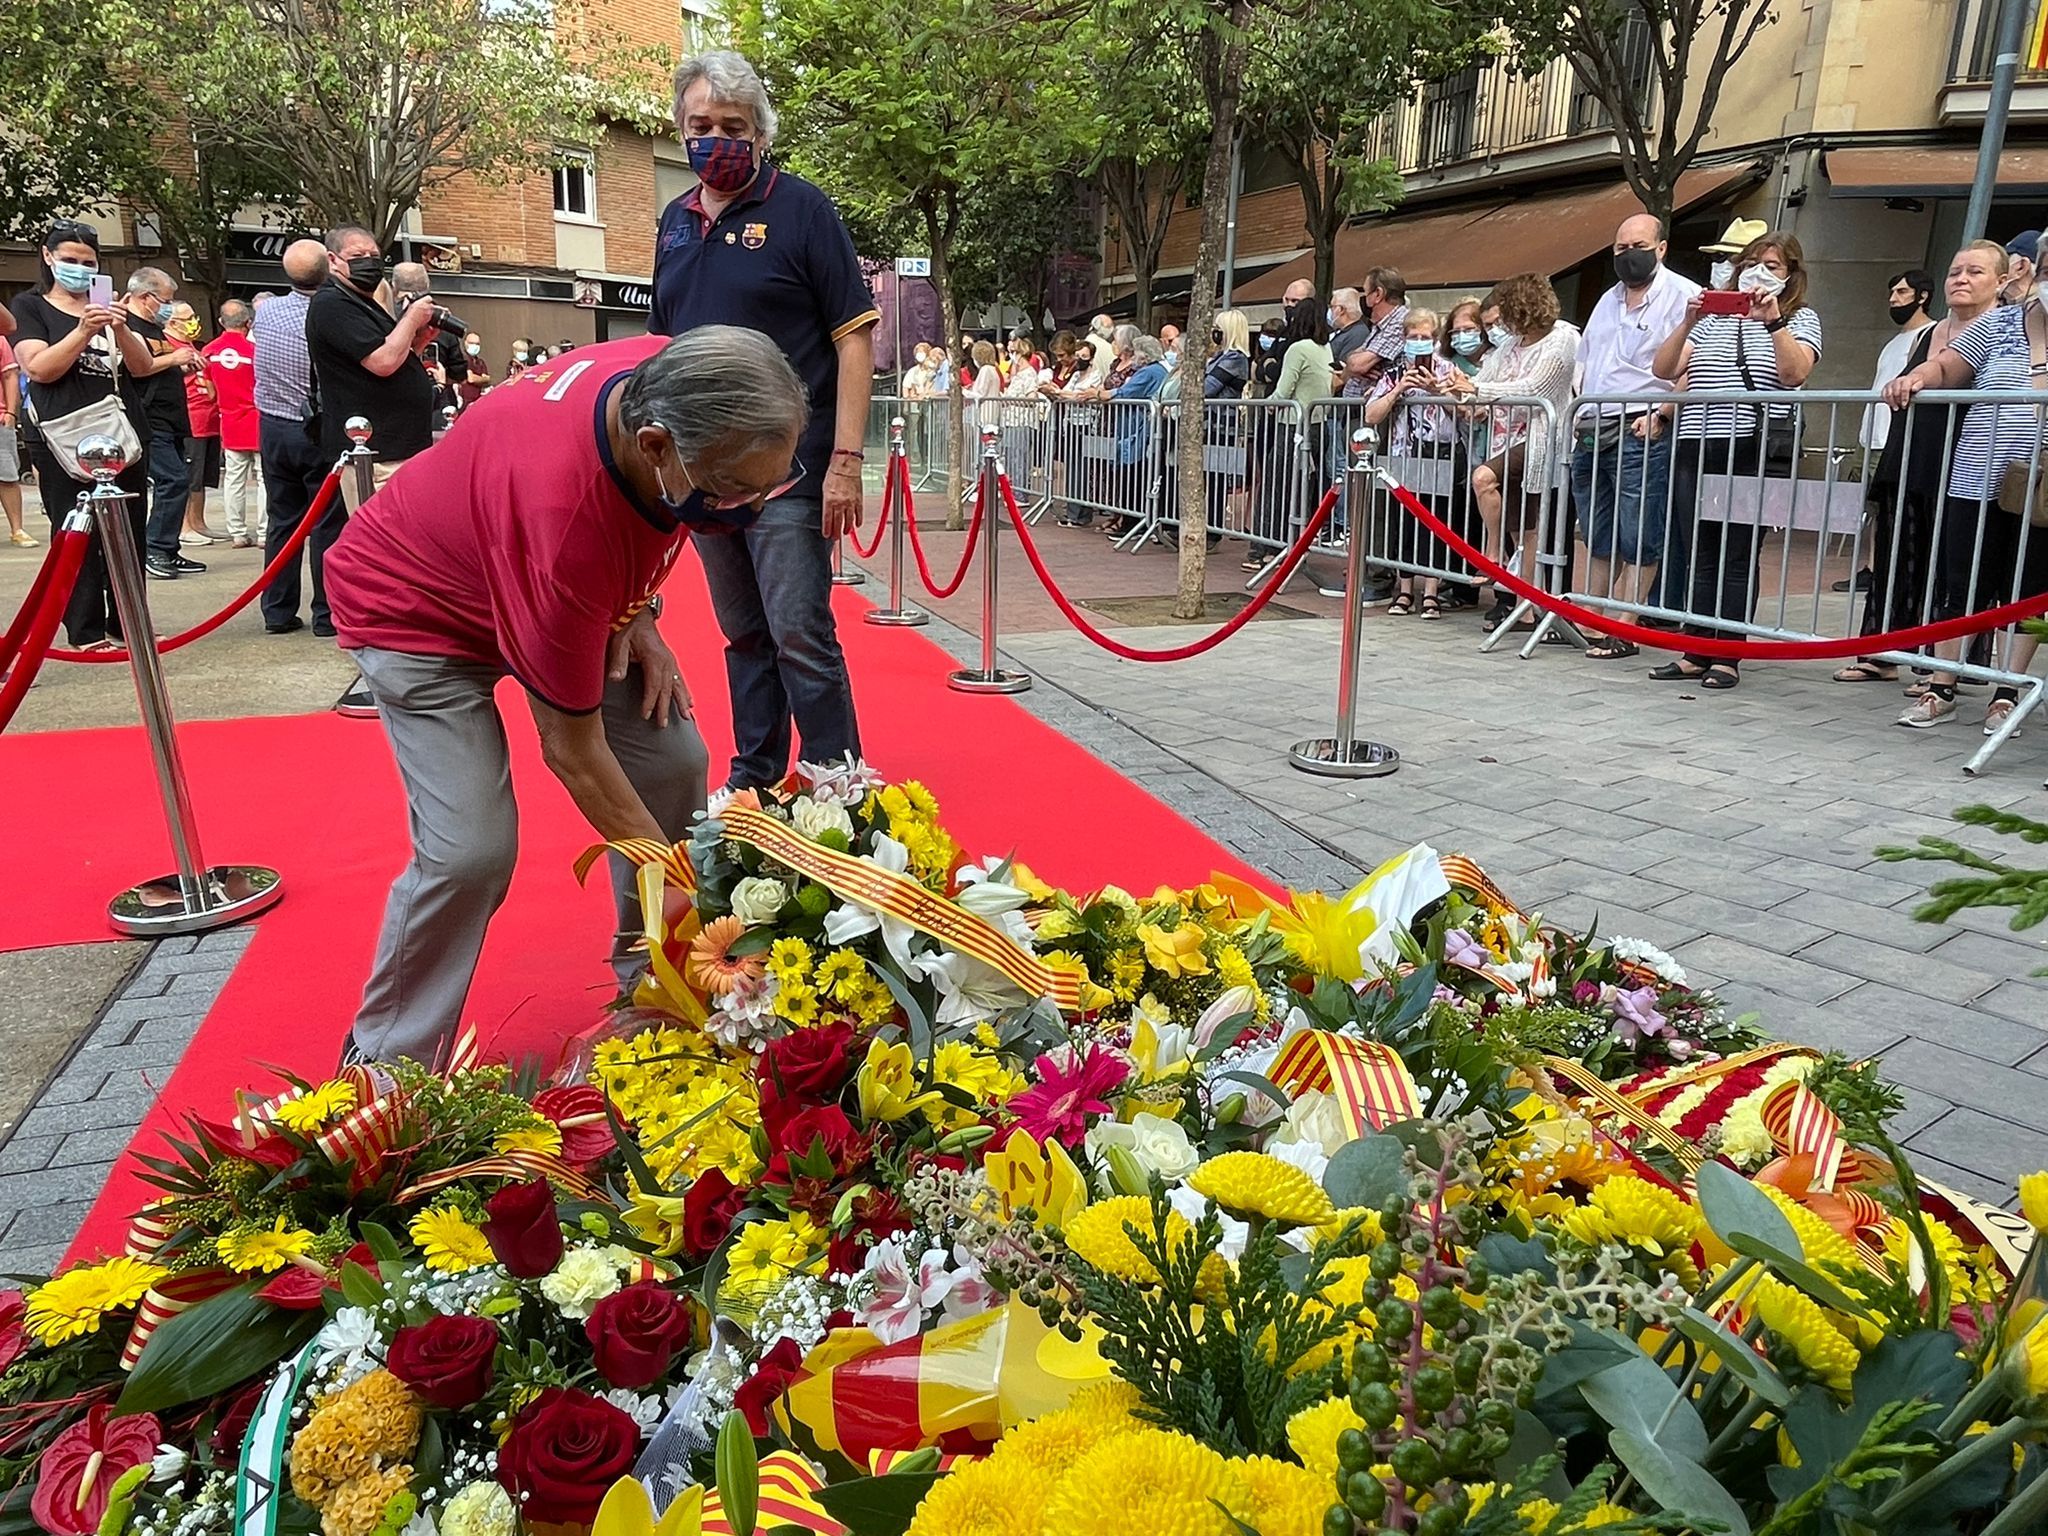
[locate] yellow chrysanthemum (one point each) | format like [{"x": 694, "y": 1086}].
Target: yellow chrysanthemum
[
  {"x": 312, "y": 1110},
  {"x": 259, "y": 1250},
  {"x": 1174, "y": 951},
  {"x": 357, "y": 1507},
  {"x": 1152, "y": 1480},
  {"x": 1364, "y": 1235},
  {"x": 1254, "y": 1184},
  {"x": 796, "y": 1002},
  {"x": 1799, "y": 1320},
  {"x": 789, "y": 961},
  {"x": 1645, "y": 1216},
  {"x": 543, "y": 1135},
  {"x": 1286, "y": 1500},
  {"x": 72, "y": 1304},
  {"x": 2034, "y": 1201},
  {"x": 1824, "y": 1247},
  {"x": 448, "y": 1240},
  {"x": 838, "y": 971},
  {"x": 1312, "y": 1434},
  {"x": 999, "y": 1496},
  {"x": 1052, "y": 1444},
  {"x": 1232, "y": 969},
  {"x": 1097, "y": 1236}
]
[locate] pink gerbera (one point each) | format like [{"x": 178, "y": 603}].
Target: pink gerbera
[{"x": 1059, "y": 1106}]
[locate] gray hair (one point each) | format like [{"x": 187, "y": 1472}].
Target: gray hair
[
  {"x": 733, "y": 81},
  {"x": 1348, "y": 298},
  {"x": 409, "y": 277},
  {"x": 1124, "y": 337},
  {"x": 150, "y": 280},
  {"x": 1148, "y": 350},
  {"x": 715, "y": 384},
  {"x": 236, "y": 316}
]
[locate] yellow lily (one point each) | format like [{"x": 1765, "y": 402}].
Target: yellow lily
[
  {"x": 1043, "y": 1179},
  {"x": 887, "y": 1083},
  {"x": 628, "y": 1511},
  {"x": 1175, "y": 952}
]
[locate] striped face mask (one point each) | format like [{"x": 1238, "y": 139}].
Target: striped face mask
[{"x": 723, "y": 165}]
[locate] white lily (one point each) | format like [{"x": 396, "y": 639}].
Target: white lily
[
  {"x": 852, "y": 920},
  {"x": 969, "y": 991},
  {"x": 1000, "y": 902},
  {"x": 1394, "y": 893}
]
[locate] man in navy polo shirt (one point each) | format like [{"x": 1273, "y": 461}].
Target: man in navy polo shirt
[{"x": 754, "y": 246}]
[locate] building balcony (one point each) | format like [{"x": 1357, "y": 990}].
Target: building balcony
[
  {"x": 1973, "y": 48},
  {"x": 1489, "y": 121}
]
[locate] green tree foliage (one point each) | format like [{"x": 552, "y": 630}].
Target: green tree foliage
[
  {"x": 71, "y": 130},
  {"x": 1150, "y": 132}
]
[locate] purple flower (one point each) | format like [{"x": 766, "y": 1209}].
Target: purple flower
[
  {"x": 1636, "y": 1017},
  {"x": 1586, "y": 993},
  {"x": 1460, "y": 948}
]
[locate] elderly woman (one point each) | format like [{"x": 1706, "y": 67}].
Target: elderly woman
[
  {"x": 2004, "y": 348},
  {"x": 1773, "y": 347},
  {"x": 530, "y": 542},
  {"x": 1534, "y": 353},
  {"x": 1135, "y": 379}
]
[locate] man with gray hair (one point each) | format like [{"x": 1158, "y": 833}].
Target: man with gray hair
[
  {"x": 151, "y": 298},
  {"x": 231, "y": 368},
  {"x": 530, "y": 542},
  {"x": 754, "y": 246}
]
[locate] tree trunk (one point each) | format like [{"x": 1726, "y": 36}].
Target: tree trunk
[
  {"x": 1223, "y": 60},
  {"x": 956, "y": 394}
]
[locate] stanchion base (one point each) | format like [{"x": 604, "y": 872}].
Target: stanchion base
[
  {"x": 1335, "y": 759},
  {"x": 358, "y": 703},
  {"x": 896, "y": 618},
  {"x": 997, "y": 681},
  {"x": 156, "y": 908},
  {"x": 849, "y": 579}
]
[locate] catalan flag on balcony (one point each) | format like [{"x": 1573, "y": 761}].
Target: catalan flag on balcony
[{"x": 2037, "y": 38}]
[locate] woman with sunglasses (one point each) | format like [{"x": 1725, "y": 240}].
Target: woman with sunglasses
[{"x": 530, "y": 542}]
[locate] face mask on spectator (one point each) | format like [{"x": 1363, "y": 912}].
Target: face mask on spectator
[
  {"x": 518, "y": 357},
  {"x": 1762, "y": 280},
  {"x": 1901, "y": 313},
  {"x": 723, "y": 165},
  {"x": 73, "y": 276},
  {"x": 1266, "y": 342},
  {"x": 1499, "y": 335},
  {"x": 1721, "y": 274},
  {"x": 1467, "y": 343},
  {"x": 1635, "y": 266},
  {"x": 1417, "y": 347},
  {"x": 474, "y": 349},
  {"x": 366, "y": 272}
]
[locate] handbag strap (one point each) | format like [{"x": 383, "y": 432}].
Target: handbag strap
[{"x": 2037, "y": 338}]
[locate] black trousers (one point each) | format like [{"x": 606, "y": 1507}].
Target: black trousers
[
  {"x": 1724, "y": 575},
  {"x": 89, "y": 617},
  {"x": 292, "y": 471}
]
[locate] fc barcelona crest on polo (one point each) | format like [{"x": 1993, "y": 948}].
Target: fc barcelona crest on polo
[{"x": 754, "y": 236}]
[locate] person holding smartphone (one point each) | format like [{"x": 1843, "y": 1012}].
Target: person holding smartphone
[{"x": 76, "y": 350}]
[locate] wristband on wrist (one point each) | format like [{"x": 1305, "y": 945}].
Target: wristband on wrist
[
  {"x": 849, "y": 453},
  {"x": 1776, "y": 325}
]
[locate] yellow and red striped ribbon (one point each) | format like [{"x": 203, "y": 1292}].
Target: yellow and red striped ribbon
[
  {"x": 1369, "y": 1081},
  {"x": 165, "y": 1300},
  {"x": 882, "y": 1463},
  {"x": 1460, "y": 870},
  {"x": 1800, "y": 1123},
  {"x": 1622, "y": 1108},
  {"x": 672, "y": 859},
  {"x": 788, "y": 1489},
  {"x": 520, "y": 1163},
  {"x": 148, "y": 1230}
]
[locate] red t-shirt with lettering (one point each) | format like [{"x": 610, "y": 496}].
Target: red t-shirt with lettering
[
  {"x": 231, "y": 365},
  {"x": 514, "y": 541}
]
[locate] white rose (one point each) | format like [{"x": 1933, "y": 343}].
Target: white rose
[
  {"x": 1316, "y": 1119},
  {"x": 1159, "y": 1144},
  {"x": 758, "y": 900},
  {"x": 584, "y": 1278},
  {"x": 814, "y": 818}
]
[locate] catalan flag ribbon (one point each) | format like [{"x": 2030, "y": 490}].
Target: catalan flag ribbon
[
  {"x": 165, "y": 1300},
  {"x": 670, "y": 859},
  {"x": 1369, "y": 1081},
  {"x": 788, "y": 1496}
]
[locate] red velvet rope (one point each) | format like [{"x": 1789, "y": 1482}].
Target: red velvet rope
[
  {"x": 1715, "y": 645},
  {"x": 909, "y": 516},
  {"x": 323, "y": 502},
  {"x": 1296, "y": 553},
  {"x": 31, "y": 605},
  {"x": 67, "y": 554},
  {"x": 882, "y": 522}
]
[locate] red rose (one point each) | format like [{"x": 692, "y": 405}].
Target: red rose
[
  {"x": 79, "y": 1468},
  {"x": 524, "y": 1229},
  {"x": 303, "y": 1290},
  {"x": 823, "y": 1131},
  {"x": 636, "y": 1333},
  {"x": 757, "y": 1394},
  {"x": 565, "y": 1451},
  {"x": 445, "y": 1360},
  {"x": 709, "y": 1206},
  {"x": 579, "y": 1115},
  {"x": 13, "y": 1336},
  {"x": 805, "y": 1067}
]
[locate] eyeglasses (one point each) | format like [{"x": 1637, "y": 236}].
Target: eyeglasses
[{"x": 756, "y": 498}]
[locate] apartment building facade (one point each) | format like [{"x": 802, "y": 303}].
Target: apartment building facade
[{"x": 1851, "y": 123}]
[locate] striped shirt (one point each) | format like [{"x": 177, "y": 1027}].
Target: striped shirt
[
  {"x": 1994, "y": 436},
  {"x": 1721, "y": 347},
  {"x": 283, "y": 371}
]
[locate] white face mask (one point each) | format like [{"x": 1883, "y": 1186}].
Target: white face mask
[
  {"x": 1722, "y": 273},
  {"x": 1762, "y": 280}
]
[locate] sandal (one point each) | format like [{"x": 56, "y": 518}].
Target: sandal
[
  {"x": 1611, "y": 648},
  {"x": 1720, "y": 678},
  {"x": 1402, "y": 605},
  {"x": 1432, "y": 606},
  {"x": 1867, "y": 672},
  {"x": 1676, "y": 672}
]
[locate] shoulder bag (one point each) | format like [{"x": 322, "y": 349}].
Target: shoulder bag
[
  {"x": 2014, "y": 493},
  {"x": 105, "y": 417},
  {"x": 1779, "y": 431}
]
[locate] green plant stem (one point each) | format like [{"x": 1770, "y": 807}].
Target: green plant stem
[
  {"x": 2024, "y": 1514},
  {"x": 1736, "y": 1427},
  {"x": 1971, "y": 1408},
  {"x": 1992, "y": 1443}
]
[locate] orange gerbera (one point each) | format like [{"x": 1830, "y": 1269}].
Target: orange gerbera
[{"x": 712, "y": 965}]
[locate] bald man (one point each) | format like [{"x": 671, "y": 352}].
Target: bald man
[
  {"x": 1301, "y": 288},
  {"x": 289, "y": 440},
  {"x": 1621, "y": 450}
]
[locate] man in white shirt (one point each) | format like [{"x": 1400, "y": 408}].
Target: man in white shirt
[{"x": 1621, "y": 448}]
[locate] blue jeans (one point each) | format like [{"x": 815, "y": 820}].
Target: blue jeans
[
  {"x": 170, "y": 482},
  {"x": 771, "y": 587},
  {"x": 1622, "y": 511}
]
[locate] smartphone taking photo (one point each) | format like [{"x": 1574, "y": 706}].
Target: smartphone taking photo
[{"x": 101, "y": 292}]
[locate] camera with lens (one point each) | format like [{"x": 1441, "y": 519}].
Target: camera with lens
[{"x": 446, "y": 321}]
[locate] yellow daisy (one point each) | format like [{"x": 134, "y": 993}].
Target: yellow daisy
[
  {"x": 311, "y": 1111},
  {"x": 72, "y": 1304},
  {"x": 789, "y": 961},
  {"x": 259, "y": 1250},
  {"x": 448, "y": 1241},
  {"x": 838, "y": 971},
  {"x": 541, "y": 1136}
]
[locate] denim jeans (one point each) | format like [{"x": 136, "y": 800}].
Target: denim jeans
[
  {"x": 170, "y": 482},
  {"x": 1621, "y": 498},
  {"x": 771, "y": 587}
]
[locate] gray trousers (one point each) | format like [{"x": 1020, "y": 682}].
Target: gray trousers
[{"x": 449, "y": 739}]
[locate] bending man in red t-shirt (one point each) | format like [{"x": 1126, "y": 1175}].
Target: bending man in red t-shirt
[{"x": 530, "y": 540}]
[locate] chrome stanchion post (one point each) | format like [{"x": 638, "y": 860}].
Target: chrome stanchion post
[
  {"x": 841, "y": 576},
  {"x": 356, "y": 701},
  {"x": 1344, "y": 756},
  {"x": 197, "y": 897},
  {"x": 896, "y": 615},
  {"x": 990, "y": 678}
]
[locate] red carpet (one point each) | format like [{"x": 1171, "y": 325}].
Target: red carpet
[{"x": 317, "y": 797}]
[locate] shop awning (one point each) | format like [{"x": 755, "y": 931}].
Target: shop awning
[
  {"x": 1176, "y": 290},
  {"x": 1472, "y": 246},
  {"x": 1931, "y": 171}
]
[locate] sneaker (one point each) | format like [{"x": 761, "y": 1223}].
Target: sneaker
[
  {"x": 352, "y": 1054},
  {"x": 718, "y": 799},
  {"x": 290, "y": 626},
  {"x": 192, "y": 538},
  {"x": 1996, "y": 715},
  {"x": 22, "y": 539},
  {"x": 159, "y": 569},
  {"x": 185, "y": 567},
  {"x": 241, "y": 541},
  {"x": 1928, "y": 710}
]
